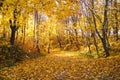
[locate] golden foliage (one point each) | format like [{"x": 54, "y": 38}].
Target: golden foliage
[{"x": 55, "y": 66}]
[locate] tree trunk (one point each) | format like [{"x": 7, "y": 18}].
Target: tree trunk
[
  {"x": 36, "y": 29},
  {"x": 4, "y": 29},
  {"x": 13, "y": 28},
  {"x": 88, "y": 43},
  {"x": 103, "y": 38},
  {"x": 70, "y": 37},
  {"x": 4, "y": 33},
  {"x": 58, "y": 38},
  {"x": 49, "y": 47},
  {"x": 76, "y": 37},
  {"x": 49, "y": 43},
  {"x": 116, "y": 33},
  {"x": 37, "y": 39},
  {"x": 116, "y": 23},
  {"x": 12, "y": 38},
  {"x": 95, "y": 43},
  {"x": 24, "y": 34},
  {"x": 104, "y": 29}
]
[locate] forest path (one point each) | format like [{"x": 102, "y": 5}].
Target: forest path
[{"x": 64, "y": 66}]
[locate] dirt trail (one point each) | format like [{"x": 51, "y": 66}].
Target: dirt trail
[{"x": 64, "y": 66}]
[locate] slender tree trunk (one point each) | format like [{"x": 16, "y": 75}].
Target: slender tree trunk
[
  {"x": 4, "y": 29},
  {"x": 16, "y": 36},
  {"x": 37, "y": 40},
  {"x": 95, "y": 43},
  {"x": 116, "y": 33},
  {"x": 87, "y": 38},
  {"x": 82, "y": 33},
  {"x": 36, "y": 29},
  {"x": 70, "y": 37},
  {"x": 76, "y": 37},
  {"x": 24, "y": 34},
  {"x": 104, "y": 37},
  {"x": 75, "y": 20},
  {"x": 58, "y": 38},
  {"x": 104, "y": 29},
  {"x": 4, "y": 33},
  {"x": 88, "y": 44},
  {"x": 49, "y": 47},
  {"x": 94, "y": 20},
  {"x": 116, "y": 23},
  {"x": 49, "y": 43}
]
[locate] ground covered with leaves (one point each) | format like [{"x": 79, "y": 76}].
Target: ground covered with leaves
[{"x": 64, "y": 66}]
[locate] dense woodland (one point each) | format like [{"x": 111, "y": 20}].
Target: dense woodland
[{"x": 34, "y": 28}]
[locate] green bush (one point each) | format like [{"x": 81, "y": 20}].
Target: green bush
[
  {"x": 9, "y": 55},
  {"x": 12, "y": 52},
  {"x": 37, "y": 55},
  {"x": 92, "y": 55},
  {"x": 10, "y": 63}
]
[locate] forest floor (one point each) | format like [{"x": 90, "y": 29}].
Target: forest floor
[{"x": 64, "y": 66}]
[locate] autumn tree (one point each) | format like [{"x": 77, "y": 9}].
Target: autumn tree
[{"x": 104, "y": 36}]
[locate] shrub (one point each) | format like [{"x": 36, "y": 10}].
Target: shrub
[{"x": 10, "y": 55}]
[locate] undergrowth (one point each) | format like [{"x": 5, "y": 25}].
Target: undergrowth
[{"x": 10, "y": 55}]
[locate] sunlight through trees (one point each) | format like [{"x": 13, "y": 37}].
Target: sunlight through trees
[{"x": 61, "y": 28}]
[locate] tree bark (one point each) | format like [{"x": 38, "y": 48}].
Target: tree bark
[
  {"x": 104, "y": 30},
  {"x": 12, "y": 38},
  {"x": 104, "y": 37},
  {"x": 76, "y": 37},
  {"x": 58, "y": 38},
  {"x": 24, "y": 34},
  {"x": 4, "y": 33},
  {"x": 36, "y": 29},
  {"x": 95, "y": 43},
  {"x": 88, "y": 43},
  {"x": 116, "y": 23},
  {"x": 13, "y": 32}
]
